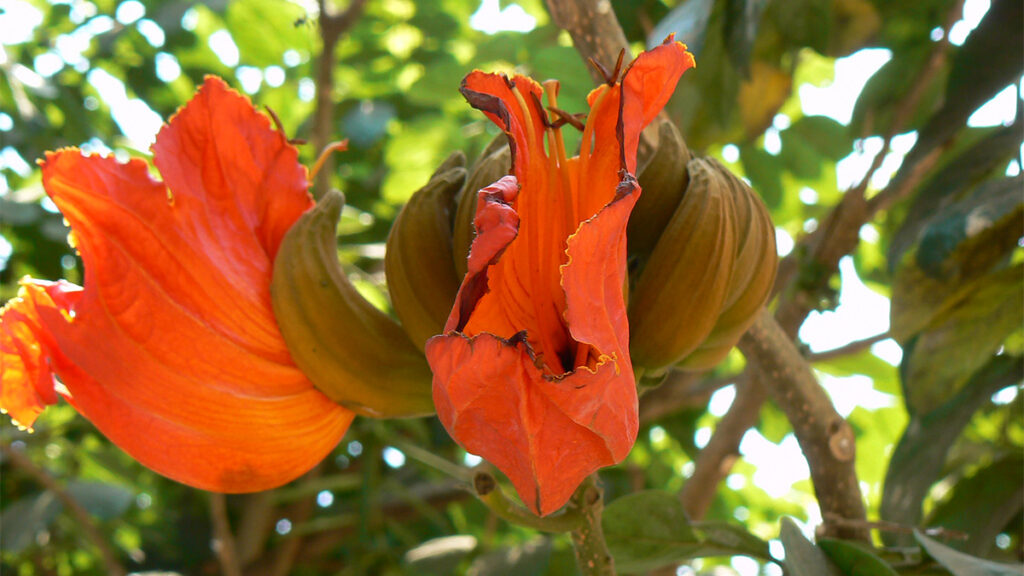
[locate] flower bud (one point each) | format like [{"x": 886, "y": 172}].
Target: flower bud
[
  {"x": 709, "y": 273},
  {"x": 663, "y": 179},
  {"x": 351, "y": 351},
  {"x": 752, "y": 279},
  {"x": 419, "y": 266}
]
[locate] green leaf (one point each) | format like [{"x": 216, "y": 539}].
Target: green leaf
[
  {"x": 803, "y": 558},
  {"x": 265, "y": 29},
  {"x": 729, "y": 539},
  {"x": 800, "y": 156},
  {"x": 802, "y": 23},
  {"x": 104, "y": 501},
  {"x": 742, "y": 18},
  {"x": 866, "y": 363},
  {"x": 645, "y": 530},
  {"x": 984, "y": 154},
  {"x": 764, "y": 172},
  {"x": 990, "y": 59},
  {"x": 987, "y": 207},
  {"x": 876, "y": 105},
  {"x": 23, "y": 519},
  {"x": 962, "y": 338},
  {"x": 919, "y": 457},
  {"x": 526, "y": 560},
  {"x": 441, "y": 85},
  {"x": 855, "y": 560},
  {"x": 961, "y": 244},
  {"x": 826, "y": 136},
  {"x": 689, "y": 21},
  {"x": 562, "y": 562},
  {"x": 961, "y": 564},
  {"x": 982, "y": 505}
]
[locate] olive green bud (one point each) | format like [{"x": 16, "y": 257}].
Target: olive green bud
[
  {"x": 421, "y": 273},
  {"x": 708, "y": 274},
  {"x": 351, "y": 351},
  {"x": 752, "y": 280},
  {"x": 663, "y": 179}
]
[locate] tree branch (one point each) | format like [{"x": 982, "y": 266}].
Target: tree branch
[
  {"x": 224, "y": 540},
  {"x": 679, "y": 391},
  {"x": 850, "y": 348},
  {"x": 73, "y": 506},
  {"x": 716, "y": 459},
  {"x": 332, "y": 26},
  {"x": 840, "y": 235},
  {"x": 826, "y": 439},
  {"x": 594, "y": 29}
]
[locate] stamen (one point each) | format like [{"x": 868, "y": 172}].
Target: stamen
[
  {"x": 563, "y": 118},
  {"x": 600, "y": 68},
  {"x": 540, "y": 265},
  {"x": 556, "y": 148},
  {"x": 618, "y": 65},
  {"x": 339, "y": 146},
  {"x": 588, "y": 130},
  {"x": 609, "y": 78},
  {"x": 540, "y": 107},
  {"x": 280, "y": 127},
  {"x": 531, "y": 133}
]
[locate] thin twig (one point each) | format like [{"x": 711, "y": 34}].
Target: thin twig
[
  {"x": 254, "y": 526},
  {"x": 595, "y": 31},
  {"x": 332, "y": 26},
  {"x": 883, "y": 526},
  {"x": 432, "y": 460},
  {"x": 224, "y": 540},
  {"x": 679, "y": 391},
  {"x": 717, "y": 457},
  {"x": 848, "y": 349},
  {"x": 74, "y": 507}
]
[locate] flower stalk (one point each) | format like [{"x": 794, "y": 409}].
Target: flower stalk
[
  {"x": 486, "y": 488},
  {"x": 592, "y": 556}
]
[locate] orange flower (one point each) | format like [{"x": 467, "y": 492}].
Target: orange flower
[
  {"x": 171, "y": 348},
  {"x": 533, "y": 371}
]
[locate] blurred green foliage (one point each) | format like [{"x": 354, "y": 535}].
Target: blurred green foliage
[{"x": 934, "y": 448}]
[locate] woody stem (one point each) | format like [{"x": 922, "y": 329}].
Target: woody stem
[{"x": 592, "y": 556}]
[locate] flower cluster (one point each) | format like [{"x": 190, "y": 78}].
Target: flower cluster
[{"x": 217, "y": 340}]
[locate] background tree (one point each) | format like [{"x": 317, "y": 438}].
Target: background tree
[{"x": 904, "y": 188}]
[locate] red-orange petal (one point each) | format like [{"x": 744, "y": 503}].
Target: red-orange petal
[
  {"x": 499, "y": 405},
  {"x": 26, "y": 382},
  {"x": 647, "y": 86},
  {"x": 172, "y": 350}
]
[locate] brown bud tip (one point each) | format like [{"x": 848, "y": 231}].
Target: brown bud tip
[{"x": 484, "y": 483}]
